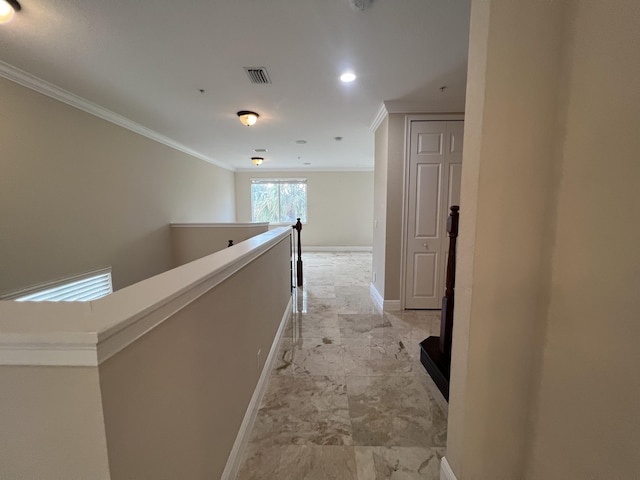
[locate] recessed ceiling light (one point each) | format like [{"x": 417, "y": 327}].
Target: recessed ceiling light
[
  {"x": 347, "y": 77},
  {"x": 301, "y": 142}
]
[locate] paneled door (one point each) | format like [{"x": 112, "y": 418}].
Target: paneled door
[{"x": 434, "y": 164}]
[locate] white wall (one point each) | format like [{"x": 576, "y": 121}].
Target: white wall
[
  {"x": 544, "y": 381},
  {"x": 340, "y": 206},
  {"x": 79, "y": 193}
]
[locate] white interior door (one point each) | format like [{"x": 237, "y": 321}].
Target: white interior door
[{"x": 435, "y": 157}]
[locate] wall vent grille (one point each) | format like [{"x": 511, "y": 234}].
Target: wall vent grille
[{"x": 258, "y": 75}]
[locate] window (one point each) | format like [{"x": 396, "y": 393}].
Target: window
[
  {"x": 278, "y": 200},
  {"x": 80, "y": 288}
]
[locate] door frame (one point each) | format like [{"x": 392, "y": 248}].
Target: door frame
[{"x": 429, "y": 117}]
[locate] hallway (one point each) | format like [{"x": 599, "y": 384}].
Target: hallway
[{"x": 348, "y": 397}]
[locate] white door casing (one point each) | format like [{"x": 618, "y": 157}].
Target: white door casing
[{"x": 433, "y": 183}]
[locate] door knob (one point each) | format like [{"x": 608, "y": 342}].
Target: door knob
[{"x": 426, "y": 245}]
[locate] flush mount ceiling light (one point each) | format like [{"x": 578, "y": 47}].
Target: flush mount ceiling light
[
  {"x": 247, "y": 117},
  {"x": 257, "y": 160},
  {"x": 347, "y": 77},
  {"x": 7, "y": 9}
]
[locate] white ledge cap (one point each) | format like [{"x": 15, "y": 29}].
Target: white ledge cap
[{"x": 87, "y": 333}]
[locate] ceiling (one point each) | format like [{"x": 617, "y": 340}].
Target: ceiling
[{"x": 148, "y": 60}]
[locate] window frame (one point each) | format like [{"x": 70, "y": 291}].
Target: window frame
[{"x": 280, "y": 181}]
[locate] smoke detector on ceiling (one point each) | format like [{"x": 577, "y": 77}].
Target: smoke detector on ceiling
[{"x": 359, "y": 5}]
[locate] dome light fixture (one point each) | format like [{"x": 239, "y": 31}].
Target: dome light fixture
[
  {"x": 257, "y": 160},
  {"x": 7, "y": 9},
  {"x": 248, "y": 117}
]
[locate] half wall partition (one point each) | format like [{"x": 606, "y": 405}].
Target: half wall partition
[{"x": 157, "y": 380}]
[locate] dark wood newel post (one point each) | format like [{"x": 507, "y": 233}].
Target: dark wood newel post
[
  {"x": 446, "y": 321},
  {"x": 298, "y": 228},
  {"x": 435, "y": 352}
]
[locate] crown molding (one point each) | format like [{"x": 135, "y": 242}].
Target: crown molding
[
  {"x": 401, "y": 106},
  {"x": 50, "y": 90},
  {"x": 380, "y": 115}
]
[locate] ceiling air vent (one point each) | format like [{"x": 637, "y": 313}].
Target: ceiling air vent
[{"x": 258, "y": 75}]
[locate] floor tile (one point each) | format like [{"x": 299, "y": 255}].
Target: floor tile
[
  {"x": 303, "y": 410},
  {"x": 298, "y": 462},
  {"x": 347, "y": 397},
  {"x": 311, "y": 356},
  {"x": 394, "y": 411},
  {"x": 398, "y": 463},
  {"x": 363, "y": 325},
  {"x": 379, "y": 359}
]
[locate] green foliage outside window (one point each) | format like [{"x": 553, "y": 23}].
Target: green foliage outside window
[{"x": 278, "y": 201}]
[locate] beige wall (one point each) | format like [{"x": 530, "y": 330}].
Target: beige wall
[
  {"x": 380, "y": 205},
  {"x": 174, "y": 400},
  {"x": 189, "y": 243},
  {"x": 395, "y": 189},
  {"x": 340, "y": 206},
  {"x": 78, "y": 193},
  {"x": 52, "y": 424},
  {"x": 390, "y": 178},
  {"x": 587, "y": 422},
  {"x": 545, "y": 330},
  {"x": 389, "y": 165}
]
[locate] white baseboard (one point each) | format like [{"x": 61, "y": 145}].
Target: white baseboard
[
  {"x": 235, "y": 457},
  {"x": 311, "y": 248},
  {"x": 445, "y": 470},
  {"x": 381, "y": 303},
  {"x": 392, "y": 305},
  {"x": 375, "y": 295}
]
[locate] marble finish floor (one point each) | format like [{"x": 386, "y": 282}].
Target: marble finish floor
[{"x": 348, "y": 398}]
